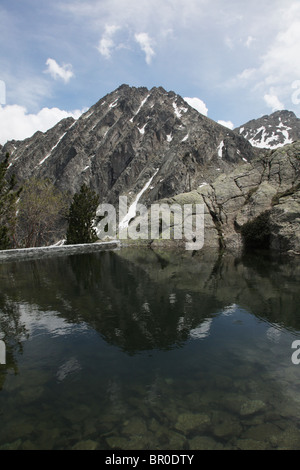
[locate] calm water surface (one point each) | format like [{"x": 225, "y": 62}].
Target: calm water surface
[{"x": 143, "y": 349}]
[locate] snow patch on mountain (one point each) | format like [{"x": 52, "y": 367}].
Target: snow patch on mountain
[
  {"x": 273, "y": 131},
  {"x": 179, "y": 110},
  {"x": 133, "y": 208},
  {"x": 140, "y": 107},
  {"x": 114, "y": 104},
  {"x": 220, "y": 149},
  {"x": 263, "y": 139},
  {"x": 142, "y": 129},
  {"x": 53, "y": 148}
]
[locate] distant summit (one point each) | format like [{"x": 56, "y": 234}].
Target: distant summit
[
  {"x": 128, "y": 137},
  {"x": 272, "y": 131}
]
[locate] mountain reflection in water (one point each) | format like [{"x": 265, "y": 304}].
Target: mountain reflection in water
[{"x": 149, "y": 320}]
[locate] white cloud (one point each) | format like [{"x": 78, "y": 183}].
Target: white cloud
[
  {"x": 229, "y": 42},
  {"x": 296, "y": 93},
  {"x": 278, "y": 65},
  {"x": 197, "y": 104},
  {"x": 145, "y": 43},
  {"x": 228, "y": 124},
  {"x": 249, "y": 41},
  {"x": 2, "y": 92},
  {"x": 56, "y": 71},
  {"x": 17, "y": 124},
  {"x": 246, "y": 74},
  {"x": 106, "y": 43},
  {"x": 273, "y": 102}
]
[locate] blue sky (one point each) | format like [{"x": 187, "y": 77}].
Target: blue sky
[{"x": 238, "y": 60}]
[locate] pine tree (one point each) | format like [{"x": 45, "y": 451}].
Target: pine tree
[
  {"x": 8, "y": 202},
  {"x": 81, "y": 216}
]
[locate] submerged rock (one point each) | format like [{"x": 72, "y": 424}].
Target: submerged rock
[
  {"x": 288, "y": 439},
  {"x": 251, "y": 444},
  {"x": 135, "y": 427},
  {"x": 204, "y": 443},
  {"x": 86, "y": 445},
  {"x": 132, "y": 443},
  {"x": 266, "y": 432},
  {"x": 16, "y": 445},
  {"x": 187, "y": 422},
  {"x": 251, "y": 407}
]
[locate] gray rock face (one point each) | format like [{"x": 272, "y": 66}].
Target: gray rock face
[
  {"x": 123, "y": 140},
  {"x": 271, "y": 132},
  {"x": 256, "y": 206}
]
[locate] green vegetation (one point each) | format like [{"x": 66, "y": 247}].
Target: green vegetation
[
  {"x": 81, "y": 217},
  {"x": 36, "y": 215},
  {"x": 8, "y": 204},
  {"x": 41, "y": 213}
]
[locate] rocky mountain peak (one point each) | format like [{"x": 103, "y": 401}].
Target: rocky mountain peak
[
  {"x": 272, "y": 131},
  {"x": 128, "y": 137}
]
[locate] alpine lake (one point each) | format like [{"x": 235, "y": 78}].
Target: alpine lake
[{"x": 154, "y": 349}]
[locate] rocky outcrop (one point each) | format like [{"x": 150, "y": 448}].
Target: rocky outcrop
[
  {"x": 255, "y": 206},
  {"x": 273, "y": 131}
]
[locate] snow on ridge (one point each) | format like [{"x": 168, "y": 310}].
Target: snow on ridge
[
  {"x": 14, "y": 159},
  {"x": 266, "y": 141},
  {"x": 54, "y": 147},
  {"x": 86, "y": 116},
  {"x": 132, "y": 209},
  {"x": 179, "y": 110},
  {"x": 185, "y": 138},
  {"x": 169, "y": 137},
  {"x": 73, "y": 124},
  {"x": 176, "y": 110},
  {"x": 140, "y": 107},
  {"x": 288, "y": 140},
  {"x": 114, "y": 104},
  {"x": 142, "y": 129}
]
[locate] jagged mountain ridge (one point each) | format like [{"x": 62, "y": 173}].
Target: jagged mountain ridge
[
  {"x": 272, "y": 131},
  {"x": 128, "y": 137}
]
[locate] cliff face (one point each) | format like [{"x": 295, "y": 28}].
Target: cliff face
[
  {"x": 123, "y": 140},
  {"x": 255, "y": 206}
]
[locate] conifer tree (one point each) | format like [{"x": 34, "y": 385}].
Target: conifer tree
[{"x": 81, "y": 217}]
